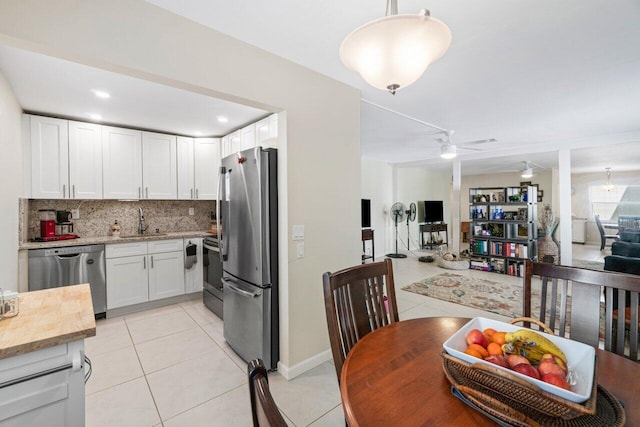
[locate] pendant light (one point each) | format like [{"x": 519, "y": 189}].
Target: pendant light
[
  {"x": 448, "y": 151},
  {"x": 391, "y": 53},
  {"x": 608, "y": 186}
]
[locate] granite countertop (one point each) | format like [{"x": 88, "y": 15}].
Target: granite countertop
[
  {"x": 109, "y": 239},
  {"x": 48, "y": 318}
]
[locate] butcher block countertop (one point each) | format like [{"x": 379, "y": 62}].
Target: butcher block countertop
[{"x": 48, "y": 318}]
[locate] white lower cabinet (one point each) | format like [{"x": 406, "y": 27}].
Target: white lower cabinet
[
  {"x": 140, "y": 272},
  {"x": 193, "y": 276},
  {"x": 44, "y": 387}
]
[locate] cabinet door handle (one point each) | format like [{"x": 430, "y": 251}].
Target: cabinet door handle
[
  {"x": 151, "y": 261},
  {"x": 64, "y": 191},
  {"x": 73, "y": 187},
  {"x": 144, "y": 263},
  {"x": 192, "y": 193},
  {"x": 196, "y": 193}
]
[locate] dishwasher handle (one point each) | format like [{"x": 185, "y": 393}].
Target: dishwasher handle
[
  {"x": 239, "y": 291},
  {"x": 66, "y": 256}
]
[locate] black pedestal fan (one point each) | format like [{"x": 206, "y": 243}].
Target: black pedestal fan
[{"x": 398, "y": 213}]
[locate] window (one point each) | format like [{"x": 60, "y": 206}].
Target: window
[{"x": 621, "y": 200}]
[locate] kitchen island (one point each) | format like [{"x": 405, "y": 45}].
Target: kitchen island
[{"x": 42, "y": 363}]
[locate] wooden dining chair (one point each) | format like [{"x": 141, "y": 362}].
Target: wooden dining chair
[
  {"x": 355, "y": 303},
  {"x": 570, "y": 304},
  {"x": 603, "y": 235},
  {"x": 264, "y": 411}
]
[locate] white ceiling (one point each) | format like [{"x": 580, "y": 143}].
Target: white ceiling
[{"x": 536, "y": 76}]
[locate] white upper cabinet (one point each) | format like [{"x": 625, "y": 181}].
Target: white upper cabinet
[
  {"x": 225, "y": 147},
  {"x": 85, "y": 160},
  {"x": 49, "y": 155},
  {"x": 248, "y": 137},
  {"x": 207, "y": 163},
  {"x": 235, "y": 142},
  {"x": 122, "y": 163},
  {"x": 186, "y": 174},
  {"x": 267, "y": 131},
  {"x": 159, "y": 166}
]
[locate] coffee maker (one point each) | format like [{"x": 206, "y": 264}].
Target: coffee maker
[
  {"x": 47, "y": 223},
  {"x": 64, "y": 226}
]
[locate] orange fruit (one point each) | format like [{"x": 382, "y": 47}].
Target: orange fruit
[
  {"x": 473, "y": 352},
  {"x": 480, "y": 349},
  {"x": 489, "y": 333},
  {"x": 498, "y": 338},
  {"x": 494, "y": 348}
]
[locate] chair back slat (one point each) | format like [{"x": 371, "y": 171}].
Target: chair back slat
[
  {"x": 574, "y": 305},
  {"x": 355, "y": 305}
]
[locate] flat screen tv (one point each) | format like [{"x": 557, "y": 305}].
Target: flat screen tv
[
  {"x": 366, "y": 213},
  {"x": 433, "y": 211}
]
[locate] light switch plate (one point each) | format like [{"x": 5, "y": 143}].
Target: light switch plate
[
  {"x": 192, "y": 211},
  {"x": 297, "y": 232},
  {"x": 300, "y": 250},
  {"x": 75, "y": 213}
]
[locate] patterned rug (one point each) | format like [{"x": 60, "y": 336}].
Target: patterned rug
[{"x": 499, "y": 298}]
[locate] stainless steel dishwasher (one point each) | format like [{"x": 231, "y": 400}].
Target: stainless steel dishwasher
[{"x": 70, "y": 265}]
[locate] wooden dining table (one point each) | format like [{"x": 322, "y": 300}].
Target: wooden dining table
[{"x": 394, "y": 377}]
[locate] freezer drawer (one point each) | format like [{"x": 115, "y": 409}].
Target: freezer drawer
[{"x": 247, "y": 320}]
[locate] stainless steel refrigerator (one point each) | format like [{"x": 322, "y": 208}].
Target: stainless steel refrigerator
[{"x": 248, "y": 215}]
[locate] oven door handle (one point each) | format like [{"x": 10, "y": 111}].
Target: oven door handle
[
  {"x": 211, "y": 248},
  {"x": 239, "y": 291}
]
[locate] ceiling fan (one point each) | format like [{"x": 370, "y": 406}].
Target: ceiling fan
[
  {"x": 527, "y": 170},
  {"x": 449, "y": 149}
]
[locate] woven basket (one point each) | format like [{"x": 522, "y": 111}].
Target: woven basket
[{"x": 517, "y": 396}]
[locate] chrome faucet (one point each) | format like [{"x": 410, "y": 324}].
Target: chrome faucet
[{"x": 141, "y": 227}]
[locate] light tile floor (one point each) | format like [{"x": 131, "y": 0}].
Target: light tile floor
[{"x": 172, "y": 367}]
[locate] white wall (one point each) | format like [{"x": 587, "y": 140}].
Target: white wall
[
  {"x": 11, "y": 188},
  {"x": 581, "y": 203},
  {"x": 419, "y": 183},
  {"x": 320, "y": 154},
  {"x": 377, "y": 185}
]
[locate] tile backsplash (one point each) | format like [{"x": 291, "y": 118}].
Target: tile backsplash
[{"x": 97, "y": 216}]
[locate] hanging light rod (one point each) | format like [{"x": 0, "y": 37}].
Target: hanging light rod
[
  {"x": 392, "y": 52},
  {"x": 422, "y": 122}
]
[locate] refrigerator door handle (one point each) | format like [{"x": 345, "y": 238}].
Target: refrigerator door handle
[
  {"x": 239, "y": 291},
  {"x": 223, "y": 253}
]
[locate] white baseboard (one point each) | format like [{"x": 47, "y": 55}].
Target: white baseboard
[{"x": 290, "y": 372}]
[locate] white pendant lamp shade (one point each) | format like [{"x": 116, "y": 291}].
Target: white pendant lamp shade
[
  {"x": 527, "y": 173},
  {"x": 393, "y": 52},
  {"x": 448, "y": 151}
]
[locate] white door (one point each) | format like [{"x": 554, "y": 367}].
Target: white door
[
  {"x": 85, "y": 160},
  {"x": 159, "y": 175},
  {"x": 193, "y": 277},
  {"x": 207, "y": 163},
  {"x": 49, "y": 158},
  {"x": 166, "y": 275},
  {"x": 127, "y": 281},
  {"x": 248, "y": 137},
  {"x": 186, "y": 188},
  {"x": 122, "y": 163}
]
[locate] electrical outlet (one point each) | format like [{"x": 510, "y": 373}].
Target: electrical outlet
[
  {"x": 75, "y": 213},
  {"x": 300, "y": 250},
  {"x": 192, "y": 211}
]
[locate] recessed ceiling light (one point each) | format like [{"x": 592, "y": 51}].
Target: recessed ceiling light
[
  {"x": 94, "y": 116},
  {"x": 101, "y": 94},
  {"x": 222, "y": 119}
]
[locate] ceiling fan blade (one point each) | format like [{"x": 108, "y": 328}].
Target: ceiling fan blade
[
  {"x": 479, "y": 141},
  {"x": 469, "y": 148}
]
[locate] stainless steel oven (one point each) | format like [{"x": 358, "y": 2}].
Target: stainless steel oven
[{"x": 212, "y": 270}]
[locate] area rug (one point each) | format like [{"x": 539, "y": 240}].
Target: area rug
[{"x": 500, "y": 298}]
